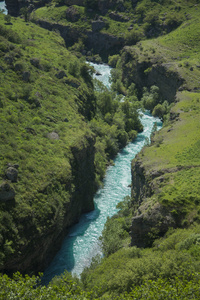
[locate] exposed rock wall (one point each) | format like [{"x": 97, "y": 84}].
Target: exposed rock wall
[
  {"x": 151, "y": 219},
  {"x": 148, "y": 72},
  {"x": 101, "y": 43},
  {"x": 40, "y": 251},
  {"x": 14, "y": 6}
]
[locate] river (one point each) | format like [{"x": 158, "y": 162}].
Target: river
[
  {"x": 82, "y": 243},
  {"x": 3, "y": 6}
]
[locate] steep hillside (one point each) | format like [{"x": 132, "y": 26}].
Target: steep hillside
[
  {"x": 49, "y": 125},
  {"x": 57, "y": 136},
  {"x": 44, "y": 102},
  {"x": 102, "y": 28},
  {"x": 165, "y": 178}
]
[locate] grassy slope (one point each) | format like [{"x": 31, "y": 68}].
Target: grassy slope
[
  {"x": 44, "y": 163},
  {"x": 176, "y": 146}
]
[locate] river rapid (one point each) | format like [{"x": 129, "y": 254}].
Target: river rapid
[
  {"x": 3, "y": 7},
  {"x": 82, "y": 242}
]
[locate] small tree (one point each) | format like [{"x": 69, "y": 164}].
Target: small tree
[
  {"x": 7, "y": 18},
  {"x": 24, "y": 11}
]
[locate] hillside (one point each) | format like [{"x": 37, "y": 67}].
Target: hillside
[
  {"x": 43, "y": 130},
  {"x": 160, "y": 54},
  {"x": 50, "y": 138}
]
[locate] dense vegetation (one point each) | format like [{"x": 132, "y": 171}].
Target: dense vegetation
[
  {"x": 39, "y": 119},
  {"x": 48, "y": 107},
  {"x": 48, "y": 90},
  {"x": 128, "y": 19}
]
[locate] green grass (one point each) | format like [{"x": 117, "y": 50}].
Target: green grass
[
  {"x": 175, "y": 152},
  {"x": 56, "y": 97},
  {"x": 176, "y": 144},
  {"x": 30, "y": 110}
]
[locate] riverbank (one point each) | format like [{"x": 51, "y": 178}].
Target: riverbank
[
  {"x": 82, "y": 243},
  {"x": 165, "y": 175},
  {"x": 58, "y": 136}
]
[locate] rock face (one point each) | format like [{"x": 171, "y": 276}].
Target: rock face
[
  {"x": 11, "y": 174},
  {"x": 14, "y": 6},
  {"x": 84, "y": 175},
  {"x": 101, "y": 43},
  {"x": 148, "y": 72},
  {"x": 140, "y": 189},
  {"x": 153, "y": 222},
  {"x": 40, "y": 251},
  {"x": 152, "y": 219}
]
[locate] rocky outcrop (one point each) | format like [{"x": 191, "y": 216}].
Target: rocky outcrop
[
  {"x": 151, "y": 222},
  {"x": 118, "y": 17},
  {"x": 6, "y": 192},
  {"x": 148, "y": 72},
  {"x": 14, "y": 6},
  {"x": 151, "y": 219},
  {"x": 74, "y": 2},
  {"x": 72, "y": 14},
  {"x": 42, "y": 247},
  {"x": 98, "y": 25},
  {"x": 101, "y": 43},
  {"x": 12, "y": 173}
]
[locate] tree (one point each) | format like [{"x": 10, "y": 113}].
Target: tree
[
  {"x": 7, "y": 18},
  {"x": 24, "y": 11}
]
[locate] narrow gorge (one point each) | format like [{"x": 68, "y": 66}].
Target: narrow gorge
[{"x": 65, "y": 137}]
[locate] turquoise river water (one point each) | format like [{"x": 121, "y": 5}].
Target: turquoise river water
[
  {"x": 82, "y": 242},
  {"x": 3, "y": 6}
]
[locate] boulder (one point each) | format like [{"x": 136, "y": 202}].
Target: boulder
[
  {"x": 11, "y": 174},
  {"x": 53, "y": 135},
  {"x": 6, "y": 192}
]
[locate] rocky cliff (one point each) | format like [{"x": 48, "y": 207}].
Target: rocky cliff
[
  {"x": 14, "y": 6},
  {"x": 39, "y": 252},
  {"x": 101, "y": 43},
  {"x": 151, "y": 218},
  {"x": 161, "y": 199},
  {"x": 146, "y": 71}
]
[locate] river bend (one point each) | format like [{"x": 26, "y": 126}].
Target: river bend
[{"x": 82, "y": 243}]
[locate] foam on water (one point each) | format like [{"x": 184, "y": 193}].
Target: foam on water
[{"x": 3, "y": 6}]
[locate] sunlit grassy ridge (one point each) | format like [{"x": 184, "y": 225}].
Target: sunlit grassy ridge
[{"x": 179, "y": 138}]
